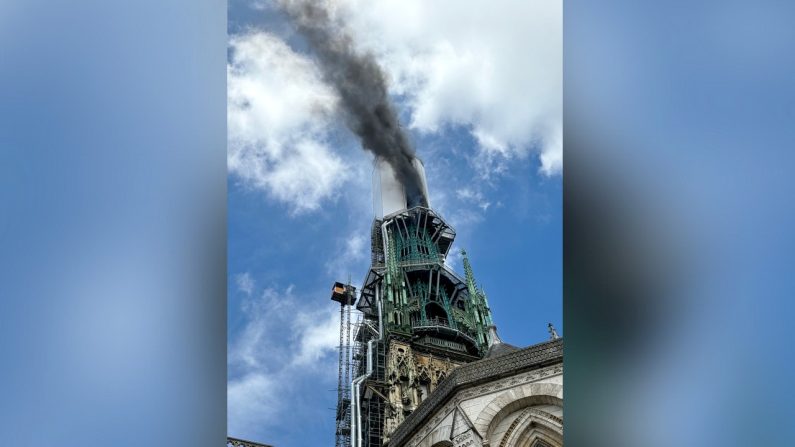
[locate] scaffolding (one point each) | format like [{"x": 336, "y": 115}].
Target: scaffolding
[
  {"x": 345, "y": 294},
  {"x": 375, "y": 404},
  {"x": 374, "y": 387}
]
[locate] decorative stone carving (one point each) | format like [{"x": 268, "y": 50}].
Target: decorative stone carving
[
  {"x": 412, "y": 376},
  {"x": 535, "y": 365}
]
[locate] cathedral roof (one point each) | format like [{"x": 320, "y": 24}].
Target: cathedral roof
[
  {"x": 510, "y": 361},
  {"x": 235, "y": 442},
  {"x": 498, "y": 349}
]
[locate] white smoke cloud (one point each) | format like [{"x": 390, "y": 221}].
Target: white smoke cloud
[{"x": 279, "y": 112}]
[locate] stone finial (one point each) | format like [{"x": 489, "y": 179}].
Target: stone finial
[{"x": 553, "y": 334}]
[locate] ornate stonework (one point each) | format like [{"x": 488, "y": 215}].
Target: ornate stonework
[
  {"x": 515, "y": 399},
  {"x": 411, "y": 377}
]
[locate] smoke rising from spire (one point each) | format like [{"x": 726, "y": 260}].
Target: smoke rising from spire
[{"x": 362, "y": 88}]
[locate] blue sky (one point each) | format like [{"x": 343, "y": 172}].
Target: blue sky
[{"x": 479, "y": 93}]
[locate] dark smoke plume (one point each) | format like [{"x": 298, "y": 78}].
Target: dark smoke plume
[{"x": 362, "y": 88}]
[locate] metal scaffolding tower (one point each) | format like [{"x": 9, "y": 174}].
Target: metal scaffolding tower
[{"x": 345, "y": 294}]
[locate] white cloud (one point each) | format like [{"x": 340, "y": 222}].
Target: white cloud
[
  {"x": 319, "y": 335},
  {"x": 352, "y": 254},
  {"x": 356, "y": 246},
  {"x": 244, "y": 283},
  {"x": 552, "y": 160},
  {"x": 279, "y": 112},
  {"x": 474, "y": 196},
  {"x": 284, "y": 337},
  {"x": 496, "y": 69},
  {"x": 251, "y": 399}
]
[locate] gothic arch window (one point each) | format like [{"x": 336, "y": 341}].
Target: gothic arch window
[
  {"x": 540, "y": 443},
  {"x": 533, "y": 434},
  {"x": 542, "y": 404},
  {"x": 532, "y": 421}
]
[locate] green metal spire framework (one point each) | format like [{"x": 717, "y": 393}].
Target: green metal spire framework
[
  {"x": 480, "y": 304},
  {"x": 411, "y": 300},
  {"x": 420, "y": 292}
]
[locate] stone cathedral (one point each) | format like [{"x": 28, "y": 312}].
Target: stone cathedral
[{"x": 422, "y": 365}]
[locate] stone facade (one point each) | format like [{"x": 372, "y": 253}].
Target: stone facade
[
  {"x": 512, "y": 400},
  {"x": 412, "y": 377}
]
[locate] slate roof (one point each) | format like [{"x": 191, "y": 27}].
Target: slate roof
[
  {"x": 498, "y": 349},
  {"x": 235, "y": 442}
]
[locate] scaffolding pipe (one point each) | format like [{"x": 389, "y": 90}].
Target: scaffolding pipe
[
  {"x": 385, "y": 241},
  {"x": 380, "y": 321},
  {"x": 356, "y": 411}
]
